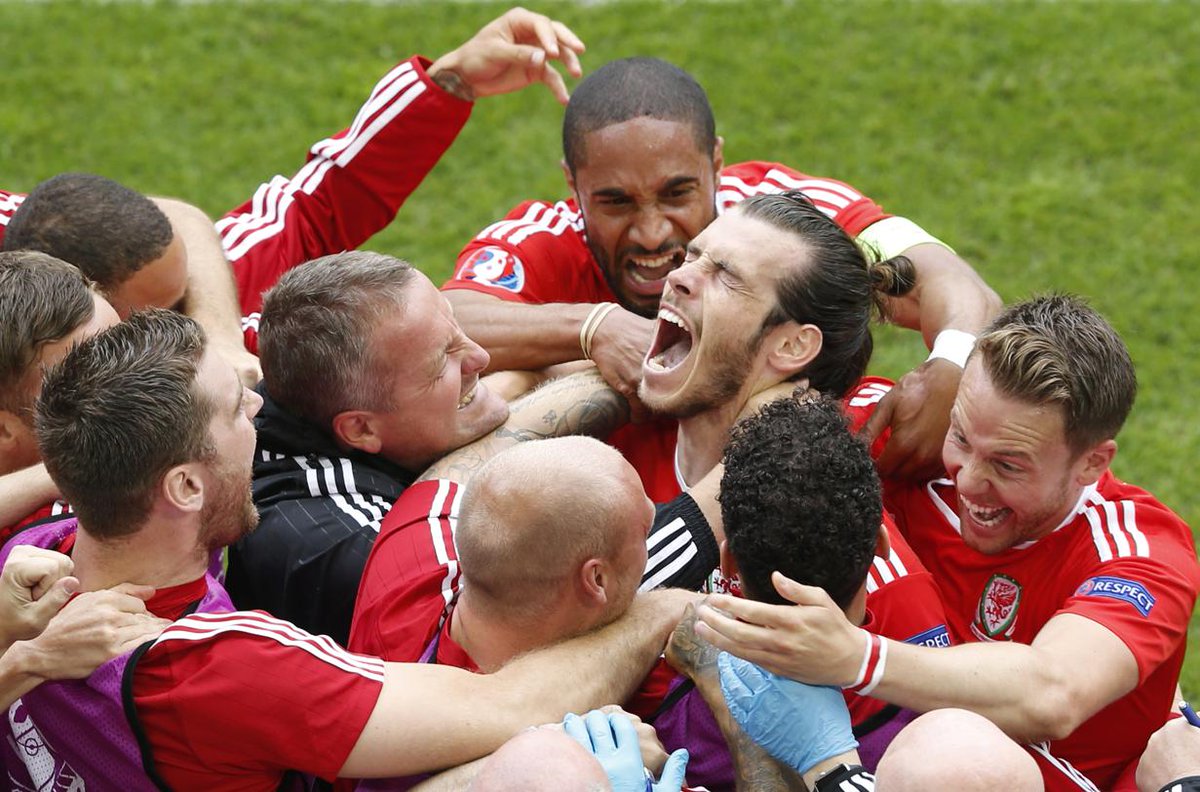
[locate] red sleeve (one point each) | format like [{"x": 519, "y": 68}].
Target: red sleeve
[
  {"x": 412, "y": 574},
  {"x": 8, "y": 206},
  {"x": 535, "y": 254},
  {"x": 249, "y": 695},
  {"x": 1145, "y": 587},
  {"x": 849, "y": 208},
  {"x": 860, "y": 403},
  {"x": 902, "y": 598},
  {"x": 351, "y": 186}
]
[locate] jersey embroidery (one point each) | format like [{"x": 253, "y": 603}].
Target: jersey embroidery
[
  {"x": 996, "y": 617},
  {"x": 494, "y": 266},
  {"x": 885, "y": 570},
  {"x": 1119, "y": 589}
]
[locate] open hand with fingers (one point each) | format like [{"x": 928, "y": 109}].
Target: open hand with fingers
[{"x": 509, "y": 53}]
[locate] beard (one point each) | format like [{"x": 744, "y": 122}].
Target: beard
[
  {"x": 716, "y": 381},
  {"x": 230, "y": 514}
]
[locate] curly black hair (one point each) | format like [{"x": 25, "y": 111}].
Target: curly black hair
[{"x": 800, "y": 495}]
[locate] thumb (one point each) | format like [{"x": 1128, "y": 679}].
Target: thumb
[
  {"x": 671, "y": 779},
  {"x": 55, "y": 598},
  {"x": 880, "y": 419}
]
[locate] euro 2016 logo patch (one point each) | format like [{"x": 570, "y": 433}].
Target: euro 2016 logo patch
[
  {"x": 1119, "y": 589},
  {"x": 996, "y": 617},
  {"x": 493, "y": 266}
]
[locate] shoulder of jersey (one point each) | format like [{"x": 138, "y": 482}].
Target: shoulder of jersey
[{"x": 531, "y": 218}]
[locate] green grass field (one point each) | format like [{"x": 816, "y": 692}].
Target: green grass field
[{"x": 1053, "y": 144}]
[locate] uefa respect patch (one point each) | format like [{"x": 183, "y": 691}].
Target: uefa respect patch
[
  {"x": 936, "y": 637},
  {"x": 494, "y": 266},
  {"x": 1120, "y": 589}
]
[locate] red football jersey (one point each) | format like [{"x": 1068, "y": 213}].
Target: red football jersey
[
  {"x": 650, "y": 447},
  {"x": 538, "y": 253},
  {"x": 1121, "y": 559}
]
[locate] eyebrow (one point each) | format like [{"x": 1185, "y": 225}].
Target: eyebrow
[{"x": 672, "y": 183}]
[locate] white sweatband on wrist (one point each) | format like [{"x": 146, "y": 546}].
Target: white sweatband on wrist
[{"x": 953, "y": 345}]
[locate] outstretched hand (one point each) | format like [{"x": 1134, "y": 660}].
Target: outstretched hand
[{"x": 509, "y": 53}]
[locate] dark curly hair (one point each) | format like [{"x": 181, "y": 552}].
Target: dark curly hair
[{"x": 800, "y": 495}]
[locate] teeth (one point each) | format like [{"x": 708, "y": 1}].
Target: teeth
[
  {"x": 470, "y": 397},
  {"x": 651, "y": 263},
  {"x": 984, "y": 516},
  {"x": 667, "y": 315}
]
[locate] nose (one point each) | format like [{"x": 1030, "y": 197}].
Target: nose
[
  {"x": 476, "y": 359},
  {"x": 651, "y": 228},
  {"x": 252, "y": 401},
  {"x": 682, "y": 279}
]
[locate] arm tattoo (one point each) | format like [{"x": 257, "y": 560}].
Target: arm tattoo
[
  {"x": 453, "y": 84},
  {"x": 753, "y": 766},
  {"x": 578, "y": 404}
]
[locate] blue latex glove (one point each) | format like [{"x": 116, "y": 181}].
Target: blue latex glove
[
  {"x": 798, "y": 724},
  {"x": 613, "y": 740}
]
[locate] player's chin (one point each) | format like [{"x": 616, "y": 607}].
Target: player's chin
[{"x": 487, "y": 412}]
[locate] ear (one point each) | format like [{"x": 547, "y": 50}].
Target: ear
[
  {"x": 729, "y": 567},
  {"x": 593, "y": 580},
  {"x": 356, "y": 429},
  {"x": 719, "y": 154},
  {"x": 570, "y": 177},
  {"x": 883, "y": 542},
  {"x": 1093, "y": 462},
  {"x": 9, "y": 422},
  {"x": 792, "y": 346},
  {"x": 183, "y": 488}
]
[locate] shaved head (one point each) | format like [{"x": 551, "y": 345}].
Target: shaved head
[
  {"x": 535, "y": 513},
  {"x": 541, "y": 760}
]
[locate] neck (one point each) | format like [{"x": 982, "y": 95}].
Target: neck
[
  {"x": 491, "y": 640},
  {"x": 138, "y": 558},
  {"x": 702, "y": 439}
]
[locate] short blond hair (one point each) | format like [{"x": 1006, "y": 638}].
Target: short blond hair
[{"x": 1058, "y": 350}]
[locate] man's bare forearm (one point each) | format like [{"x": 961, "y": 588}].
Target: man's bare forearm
[
  {"x": 581, "y": 403},
  {"x": 430, "y": 716},
  {"x": 948, "y": 294},
  {"x": 519, "y": 335},
  {"x": 23, "y": 492}
]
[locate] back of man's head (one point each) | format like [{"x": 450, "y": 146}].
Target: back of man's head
[
  {"x": 106, "y": 229},
  {"x": 541, "y": 760},
  {"x": 800, "y": 495},
  {"x": 536, "y": 513},
  {"x": 315, "y": 338},
  {"x": 42, "y": 300},
  {"x": 1057, "y": 350},
  {"x": 630, "y": 88},
  {"x": 835, "y": 286},
  {"x": 120, "y": 410}
]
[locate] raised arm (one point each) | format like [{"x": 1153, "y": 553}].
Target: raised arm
[{"x": 949, "y": 304}]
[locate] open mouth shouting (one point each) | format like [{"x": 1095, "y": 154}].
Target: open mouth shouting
[{"x": 665, "y": 368}]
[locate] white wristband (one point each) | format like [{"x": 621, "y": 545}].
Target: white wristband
[{"x": 953, "y": 345}]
